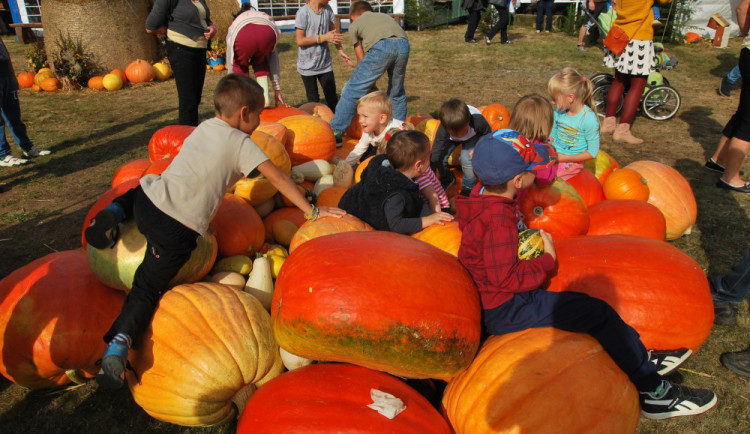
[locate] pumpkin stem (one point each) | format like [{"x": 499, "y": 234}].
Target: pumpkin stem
[
  {"x": 242, "y": 396},
  {"x": 538, "y": 211},
  {"x": 75, "y": 376}
]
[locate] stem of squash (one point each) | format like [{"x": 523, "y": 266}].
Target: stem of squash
[
  {"x": 75, "y": 376},
  {"x": 242, "y": 396},
  {"x": 538, "y": 211}
]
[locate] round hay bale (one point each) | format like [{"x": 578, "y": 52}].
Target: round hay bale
[
  {"x": 122, "y": 21},
  {"x": 222, "y": 15}
]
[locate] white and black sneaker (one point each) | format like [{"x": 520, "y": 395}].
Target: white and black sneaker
[
  {"x": 668, "y": 361},
  {"x": 676, "y": 401}
]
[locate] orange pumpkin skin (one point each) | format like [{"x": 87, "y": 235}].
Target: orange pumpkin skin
[
  {"x": 158, "y": 167},
  {"x": 378, "y": 309},
  {"x": 627, "y": 217},
  {"x": 557, "y": 208},
  {"x": 259, "y": 189},
  {"x": 656, "y": 288},
  {"x": 446, "y": 237},
  {"x": 131, "y": 170},
  {"x": 274, "y": 114},
  {"x": 602, "y": 166},
  {"x": 588, "y": 187},
  {"x": 293, "y": 214},
  {"x": 275, "y": 129},
  {"x": 626, "y": 184},
  {"x": 26, "y": 79},
  {"x": 327, "y": 226},
  {"x": 139, "y": 71},
  {"x": 238, "y": 227},
  {"x": 418, "y": 118},
  {"x": 497, "y": 115},
  {"x": 121, "y": 74},
  {"x": 361, "y": 168},
  {"x": 355, "y": 129},
  {"x": 96, "y": 82},
  {"x": 522, "y": 382},
  {"x": 671, "y": 193},
  {"x": 53, "y": 314},
  {"x": 331, "y": 196},
  {"x": 50, "y": 84},
  {"x": 318, "y": 110},
  {"x": 308, "y": 138},
  {"x": 103, "y": 202},
  {"x": 167, "y": 141},
  {"x": 207, "y": 346},
  {"x": 333, "y": 398}
]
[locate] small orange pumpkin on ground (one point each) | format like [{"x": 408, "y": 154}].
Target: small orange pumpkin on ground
[
  {"x": 220, "y": 67},
  {"x": 95, "y": 82},
  {"x": 121, "y": 74},
  {"x": 50, "y": 84},
  {"x": 139, "y": 71},
  {"x": 26, "y": 79}
]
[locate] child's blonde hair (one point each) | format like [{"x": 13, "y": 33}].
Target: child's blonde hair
[
  {"x": 454, "y": 114},
  {"x": 570, "y": 81},
  {"x": 532, "y": 116},
  {"x": 379, "y": 101},
  {"x": 406, "y": 147},
  {"x": 383, "y": 144}
]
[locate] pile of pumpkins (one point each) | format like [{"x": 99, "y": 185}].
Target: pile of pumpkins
[
  {"x": 138, "y": 71},
  {"x": 42, "y": 80},
  {"x": 267, "y": 298}
]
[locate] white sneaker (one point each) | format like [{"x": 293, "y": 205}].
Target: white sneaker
[
  {"x": 10, "y": 161},
  {"x": 36, "y": 152}
]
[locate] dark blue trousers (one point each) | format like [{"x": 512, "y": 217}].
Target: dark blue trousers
[
  {"x": 576, "y": 312},
  {"x": 189, "y": 66}
]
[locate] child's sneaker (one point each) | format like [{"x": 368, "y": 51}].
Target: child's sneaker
[
  {"x": 104, "y": 230},
  {"x": 36, "y": 152},
  {"x": 676, "y": 401},
  {"x": 112, "y": 374},
  {"x": 338, "y": 136},
  {"x": 11, "y": 161},
  {"x": 668, "y": 361}
]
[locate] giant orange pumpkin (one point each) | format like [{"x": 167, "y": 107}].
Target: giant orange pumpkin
[
  {"x": 333, "y": 398},
  {"x": 497, "y": 115},
  {"x": 588, "y": 187},
  {"x": 557, "y": 208},
  {"x": 318, "y": 110},
  {"x": 626, "y": 184},
  {"x": 308, "y": 138},
  {"x": 238, "y": 227},
  {"x": 627, "y": 217},
  {"x": 26, "y": 79},
  {"x": 139, "y": 71},
  {"x": 208, "y": 346},
  {"x": 671, "y": 193},
  {"x": 327, "y": 226},
  {"x": 259, "y": 189},
  {"x": 275, "y": 129},
  {"x": 602, "y": 166},
  {"x": 104, "y": 201},
  {"x": 655, "y": 287},
  {"x": 116, "y": 267},
  {"x": 133, "y": 169},
  {"x": 53, "y": 314},
  {"x": 446, "y": 236},
  {"x": 274, "y": 114},
  {"x": 542, "y": 380},
  {"x": 157, "y": 167},
  {"x": 167, "y": 141},
  {"x": 380, "y": 300}
]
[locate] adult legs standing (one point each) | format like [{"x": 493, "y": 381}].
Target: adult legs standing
[
  {"x": 472, "y": 23},
  {"x": 189, "y": 66},
  {"x": 544, "y": 7},
  {"x": 501, "y": 25},
  {"x": 737, "y": 131}
]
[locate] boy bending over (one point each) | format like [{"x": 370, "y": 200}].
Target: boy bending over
[{"x": 509, "y": 288}]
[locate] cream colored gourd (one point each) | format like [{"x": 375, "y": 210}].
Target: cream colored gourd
[
  {"x": 230, "y": 278},
  {"x": 321, "y": 184},
  {"x": 343, "y": 174},
  {"x": 260, "y": 281},
  {"x": 266, "y": 208},
  {"x": 313, "y": 170},
  {"x": 293, "y": 361},
  {"x": 239, "y": 264}
]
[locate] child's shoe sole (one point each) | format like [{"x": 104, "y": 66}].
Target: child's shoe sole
[{"x": 103, "y": 232}]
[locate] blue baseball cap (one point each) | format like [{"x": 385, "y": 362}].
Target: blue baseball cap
[{"x": 500, "y": 156}]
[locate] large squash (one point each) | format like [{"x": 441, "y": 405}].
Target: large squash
[
  {"x": 627, "y": 217},
  {"x": 133, "y": 169},
  {"x": 237, "y": 226},
  {"x": 208, "y": 346},
  {"x": 602, "y": 166},
  {"x": 446, "y": 236},
  {"x": 588, "y": 187},
  {"x": 167, "y": 141},
  {"x": 655, "y": 287},
  {"x": 324, "y": 226},
  {"x": 274, "y": 114},
  {"x": 557, "y": 208},
  {"x": 542, "y": 380},
  {"x": 103, "y": 202},
  {"x": 116, "y": 267},
  {"x": 259, "y": 189},
  {"x": 53, "y": 314},
  {"x": 308, "y": 138},
  {"x": 333, "y": 398},
  {"x": 318, "y": 110},
  {"x": 378, "y": 299},
  {"x": 671, "y": 193}
]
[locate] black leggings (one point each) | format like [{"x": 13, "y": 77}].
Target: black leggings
[
  {"x": 501, "y": 25},
  {"x": 189, "y": 66},
  {"x": 327, "y": 82},
  {"x": 636, "y": 85}
]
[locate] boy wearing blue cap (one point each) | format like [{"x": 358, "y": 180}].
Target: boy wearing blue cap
[{"x": 512, "y": 300}]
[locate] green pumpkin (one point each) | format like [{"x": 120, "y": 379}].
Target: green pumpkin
[{"x": 530, "y": 244}]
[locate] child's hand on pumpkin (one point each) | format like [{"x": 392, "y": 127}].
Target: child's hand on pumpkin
[
  {"x": 549, "y": 246},
  {"x": 324, "y": 211},
  {"x": 438, "y": 217}
]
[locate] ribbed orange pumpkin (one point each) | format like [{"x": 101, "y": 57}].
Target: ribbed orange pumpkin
[
  {"x": 327, "y": 226},
  {"x": 104, "y": 201},
  {"x": 446, "y": 237},
  {"x": 588, "y": 187},
  {"x": 259, "y": 189},
  {"x": 308, "y": 138},
  {"x": 274, "y": 114},
  {"x": 96, "y": 82},
  {"x": 333, "y": 398},
  {"x": 167, "y": 141},
  {"x": 116, "y": 267},
  {"x": 542, "y": 380},
  {"x": 627, "y": 217},
  {"x": 208, "y": 346},
  {"x": 238, "y": 227},
  {"x": 293, "y": 214},
  {"x": 602, "y": 166},
  {"x": 671, "y": 193},
  {"x": 393, "y": 304},
  {"x": 139, "y": 71},
  {"x": 26, "y": 79},
  {"x": 53, "y": 314},
  {"x": 418, "y": 118},
  {"x": 131, "y": 170},
  {"x": 626, "y": 184},
  {"x": 656, "y": 288},
  {"x": 158, "y": 166},
  {"x": 557, "y": 208},
  {"x": 331, "y": 196},
  {"x": 497, "y": 115},
  {"x": 318, "y": 110},
  {"x": 275, "y": 129},
  {"x": 50, "y": 84}
]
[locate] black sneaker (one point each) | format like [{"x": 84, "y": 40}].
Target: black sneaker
[
  {"x": 112, "y": 374},
  {"x": 738, "y": 363},
  {"x": 668, "y": 361},
  {"x": 676, "y": 401},
  {"x": 471, "y": 41},
  {"x": 338, "y": 136},
  {"x": 104, "y": 230},
  {"x": 725, "y": 89},
  {"x": 725, "y": 313}
]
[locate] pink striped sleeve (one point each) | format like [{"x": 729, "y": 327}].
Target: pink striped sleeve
[{"x": 429, "y": 178}]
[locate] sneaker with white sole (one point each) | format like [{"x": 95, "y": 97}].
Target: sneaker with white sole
[
  {"x": 36, "y": 152},
  {"x": 676, "y": 401},
  {"x": 668, "y": 361},
  {"x": 11, "y": 161}
]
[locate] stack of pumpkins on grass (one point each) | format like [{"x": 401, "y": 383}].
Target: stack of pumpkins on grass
[
  {"x": 139, "y": 71},
  {"x": 383, "y": 305}
]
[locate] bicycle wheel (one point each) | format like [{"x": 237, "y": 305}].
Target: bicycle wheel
[
  {"x": 601, "y": 78},
  {"x": 599, "y": 97},
  {"x": 660, "y": 103}
]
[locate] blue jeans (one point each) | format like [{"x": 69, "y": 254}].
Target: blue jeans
[
  {"x": 468, "y": 170},
  {"x": 734, "y": 75},
  {"x": 11, "y": 113},
  {"x": 735, "y": 285},
  {"x": 544, "y": 7},
  {"x": 387, "y": 55}
]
